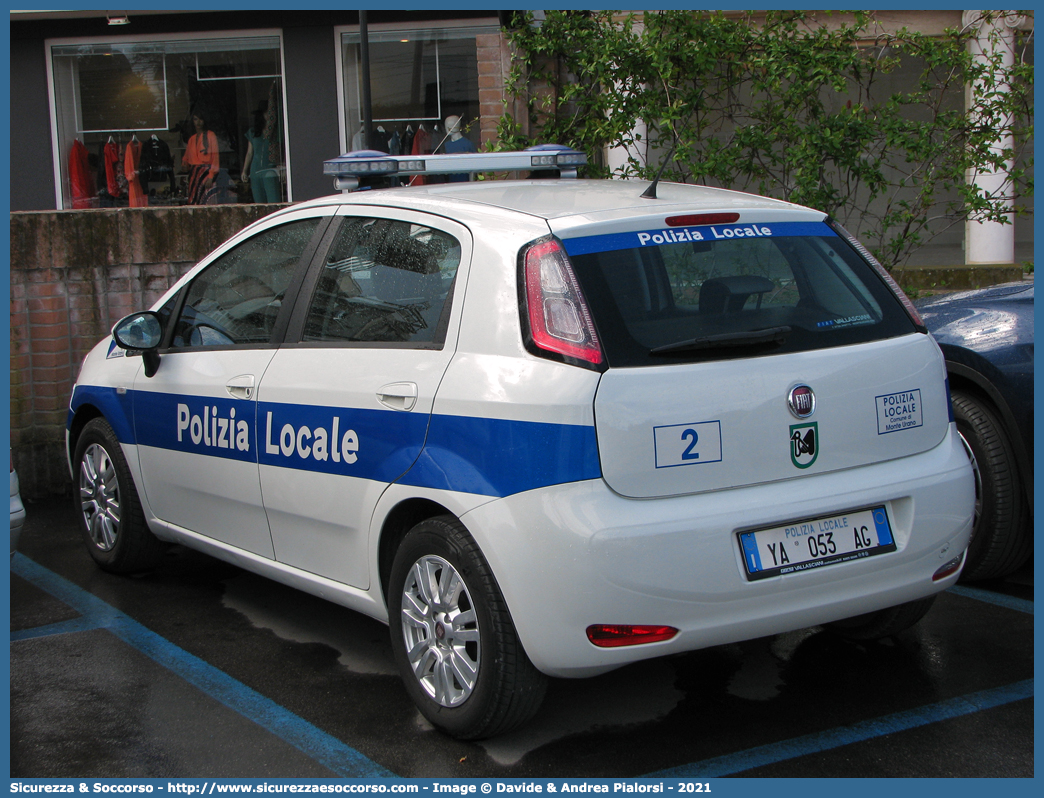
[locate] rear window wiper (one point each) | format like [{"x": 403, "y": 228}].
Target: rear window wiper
[{"x": 769, "y": 335}]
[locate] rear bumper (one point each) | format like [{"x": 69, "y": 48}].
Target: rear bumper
[{"x": 578, "y": 554}]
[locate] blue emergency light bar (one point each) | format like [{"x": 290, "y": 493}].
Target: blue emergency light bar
[{"x": 347, "y": 169}]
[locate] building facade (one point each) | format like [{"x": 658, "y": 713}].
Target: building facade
[
  {"x": 167, "y": 108},
  {"x": 108, "y": 163}
]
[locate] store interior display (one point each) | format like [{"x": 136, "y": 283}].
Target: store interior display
[
  {"x": 420, "y": 137},
  {"x": 125, "y": 113}
]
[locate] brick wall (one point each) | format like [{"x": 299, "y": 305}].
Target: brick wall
[
  {"x": 73, "y": 275},
  {"x": 495, "y": 60},
  {"x": 494, "y": 65}
]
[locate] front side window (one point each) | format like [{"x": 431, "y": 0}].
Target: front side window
[
  {"x": 195, "y": 122},
  {"x": 719, "y": 292},
  {"x": 385, "y": 281},
  {"x": 237, "y": 298}
]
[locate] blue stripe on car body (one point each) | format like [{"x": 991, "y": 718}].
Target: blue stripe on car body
[
  {"x": 485, "y": 456},
  {"x": 116, "y": 407},
  {"x": 501, "y": 457}
]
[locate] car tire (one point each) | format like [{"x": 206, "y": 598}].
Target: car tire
[
  {"x": 459, "y": 655},
  {"x": 883, "y": 623},
  {"x": 1000, "y": 536},
  {"x": 111, "y": 519}
]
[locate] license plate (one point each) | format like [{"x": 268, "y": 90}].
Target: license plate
[{"x": 816, "y": 543}]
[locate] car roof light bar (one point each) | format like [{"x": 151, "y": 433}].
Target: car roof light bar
[{"x": 347, "y": 169}]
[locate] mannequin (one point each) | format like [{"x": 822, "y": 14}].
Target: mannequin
[
  {"x": 456, "y": 143},
  {"x": 201, "y": 157},
  {"x": 258, "y": 168}
]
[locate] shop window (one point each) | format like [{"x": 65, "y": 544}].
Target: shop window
[
  {"x": 418, "y": 78},
  {"x": 193, "y": 122}
]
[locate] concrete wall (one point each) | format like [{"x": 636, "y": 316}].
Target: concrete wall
[{"x": 73, "y": 275}]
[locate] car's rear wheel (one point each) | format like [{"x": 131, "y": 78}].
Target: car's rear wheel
[
  {"x": 1000, "y": 535},
  {"x": 452, "y": 636},
  {"x": 882, "y": 623},
  {"x": 111, "y": 518}
]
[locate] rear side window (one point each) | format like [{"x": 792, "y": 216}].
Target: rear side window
[
  {"x": 384, "y": 281},
  {"x": 730, "y": 291}
]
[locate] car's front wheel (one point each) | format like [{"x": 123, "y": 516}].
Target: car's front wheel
[
  {"x": 1000, "y": 536},
  {"x": 452, "y": 636},
  {"x": 107, "y": 504}
]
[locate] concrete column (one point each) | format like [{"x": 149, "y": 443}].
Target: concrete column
[
  {"x": 992, "y": 242},
  {"x": 617, "y": 158}
]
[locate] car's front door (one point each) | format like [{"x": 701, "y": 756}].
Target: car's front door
[
  {"x": 195, "y": 418},
  {"x": 343, "y": 408}
]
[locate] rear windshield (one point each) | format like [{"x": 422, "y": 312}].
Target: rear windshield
[{"x": 725, "y": 291}]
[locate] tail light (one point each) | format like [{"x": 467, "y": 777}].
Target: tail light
[
  {"x": 616, "y": 635},
  {"x": 558, "y": 317},
  {"x": 915, "y": 317}
]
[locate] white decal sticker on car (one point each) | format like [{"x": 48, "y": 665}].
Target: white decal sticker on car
[
  {"x": 687, "y": 444},
  {"x": 899, "y": 411}
]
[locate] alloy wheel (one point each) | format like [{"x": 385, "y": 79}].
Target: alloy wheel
[
  {"x": 100, "y": 497},
  {"x": 441, "y": 632}
]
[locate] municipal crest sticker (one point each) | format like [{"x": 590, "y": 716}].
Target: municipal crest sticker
[{"x": 804, "y": 444}]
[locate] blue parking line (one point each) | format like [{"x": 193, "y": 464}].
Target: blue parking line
[
  {"x": 320, "y": 746},
  {"x": 846, "y": 735},
  {"x": 999, "y": 599},
  {"x": 834, "y": 738}
]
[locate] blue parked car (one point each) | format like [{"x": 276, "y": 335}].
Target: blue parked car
[{"x": 987, "y": 338}]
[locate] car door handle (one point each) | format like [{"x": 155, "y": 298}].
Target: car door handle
[
  {"x": 398, "y": 395},
  {"x": 241, "y": 387}
]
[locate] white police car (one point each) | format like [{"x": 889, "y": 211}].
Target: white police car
[{"x": 543, "y": 427}]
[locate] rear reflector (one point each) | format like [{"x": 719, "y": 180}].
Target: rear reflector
[
  {"x": 559, "y": 319},
  {"x": 615, "y": 635},
  {"x": 949, "y": 568},
  {"x": 696, "y": 219}
]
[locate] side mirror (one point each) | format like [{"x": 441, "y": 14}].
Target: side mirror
[{"x": 141, "y": 332}]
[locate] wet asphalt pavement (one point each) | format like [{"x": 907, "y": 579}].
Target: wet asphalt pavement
[{"x": 200, "y": 669}]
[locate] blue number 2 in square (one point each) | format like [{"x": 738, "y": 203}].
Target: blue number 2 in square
[{"x": 687, "y": 444}]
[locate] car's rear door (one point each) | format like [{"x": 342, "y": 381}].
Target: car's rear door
[{"x": 344, "y": 405}]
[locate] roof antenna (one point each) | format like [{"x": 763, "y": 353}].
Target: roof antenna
[{"x": 650, "y": 192}]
